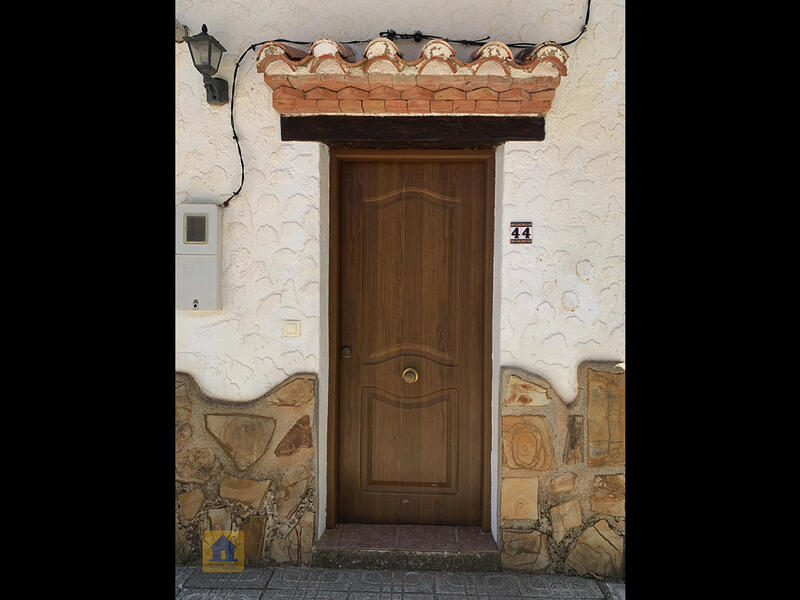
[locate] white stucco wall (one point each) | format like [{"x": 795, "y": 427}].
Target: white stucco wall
[{"x": 561, "y": 300}]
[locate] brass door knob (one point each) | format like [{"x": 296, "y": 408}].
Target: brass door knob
[{"x": 410, "y": 375}]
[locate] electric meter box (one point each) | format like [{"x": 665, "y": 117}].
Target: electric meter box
[{"x": 198, "y": 257}]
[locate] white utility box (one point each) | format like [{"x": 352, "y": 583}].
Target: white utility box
[{"x": 198, "y": 257}]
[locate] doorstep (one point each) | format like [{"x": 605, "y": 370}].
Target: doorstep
[{"x": 406, "y": 547}]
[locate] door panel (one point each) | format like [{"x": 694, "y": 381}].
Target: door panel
[
  {"x": 413, "y": 232},
  {"x": 413, "y": 260},
  {"x": 391, "y": 436}
]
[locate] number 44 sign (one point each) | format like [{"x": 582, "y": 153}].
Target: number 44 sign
[{"x": 521, "y": 232}]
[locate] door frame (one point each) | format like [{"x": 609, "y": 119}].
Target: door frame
[{"x": 337, "y": 156}]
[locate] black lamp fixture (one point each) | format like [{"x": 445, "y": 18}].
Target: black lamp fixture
[{"x": 206, "y": 53}]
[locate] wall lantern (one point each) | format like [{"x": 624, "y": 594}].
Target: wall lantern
[{"x": 206, "y": 53}]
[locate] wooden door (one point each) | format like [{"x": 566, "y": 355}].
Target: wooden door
[{"x": 413, "y": 362}]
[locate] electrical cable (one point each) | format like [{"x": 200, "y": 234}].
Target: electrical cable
[
  {"x": 233, "y": 95},
  {"x": 585, "y": 24},
  {"x": 233, "y": 127},
  {"x": 417, "y": 36}
]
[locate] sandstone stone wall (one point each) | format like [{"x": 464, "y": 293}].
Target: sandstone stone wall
[
  {"x": 562, "y": 475},
  {"x": 247, "y": 466},
  {"x": 251, "y": 466}
]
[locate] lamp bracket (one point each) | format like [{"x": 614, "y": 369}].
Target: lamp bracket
[{"x": 216, "y": 90}]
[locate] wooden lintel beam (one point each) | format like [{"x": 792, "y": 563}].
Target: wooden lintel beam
[{"x": 348, "y": 131}]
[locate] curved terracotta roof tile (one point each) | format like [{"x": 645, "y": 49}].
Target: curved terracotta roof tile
[
  {"x": 437, "y": 65},
  {"x": 492, "y": 65},
  {"x": 276, "y": 48},
  {"x": 543, "y": 50},
  {"x": 331, "y": 80},
  {"x": 381, "y": 47},
  {"x": 437, "y": 48},
  {"x": 498, "y": 49},
  {"x": 328, "y": 46},
  {"x": 548, "y": 66},
  {"x": 275, "y": 65},
  {"x": 328, "y": 63},
  {"x": 383, "y": 63}
]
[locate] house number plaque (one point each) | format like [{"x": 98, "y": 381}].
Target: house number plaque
[{"x": 521, "y": 232}]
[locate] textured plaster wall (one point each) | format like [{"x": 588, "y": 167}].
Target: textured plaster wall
[
  {"x": 271, "y": 235},
  {"x": 562, "y": 297}
]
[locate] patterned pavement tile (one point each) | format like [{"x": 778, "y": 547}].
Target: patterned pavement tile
[
  {"x": 294, "y": 578},
  {"x": 253, "y": 578},
  {"x": 558, "y": 586},
  {"x": 182, "y": 573},
  {"x": 303, "y": 594},
  {"x": 192, "y": 595},
  {"x": 303, "y": 583},
  {"x": 248, "y": 579},
  {"x": 495, "y": 584},
  {"x": 451, "y": 583},
  {"x": 471, "y": 596},
  {"x": 334, "y": 579},
  {"x": 478, "y": 584},
  {"x": 417, "y": 583},
  {"x": 201, "y": 594},
  {"x": 200, "y": 579},
  {"x": 376, "y": 581}
]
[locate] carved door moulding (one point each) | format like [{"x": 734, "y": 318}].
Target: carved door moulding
[{"x": 329, "y": 80}]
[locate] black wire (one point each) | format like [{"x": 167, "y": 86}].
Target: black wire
[
  {"x": 583, "y": 29},
  {"x": 233, "y": 127},
  {"x": 417, "y": 36},
  {"x": 289, "y": 42}
]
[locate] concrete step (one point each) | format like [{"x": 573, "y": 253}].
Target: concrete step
[{"x": 406, "y": 547}]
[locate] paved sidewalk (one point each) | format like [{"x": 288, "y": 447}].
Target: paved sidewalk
[{"x": 291, "y": 583}]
